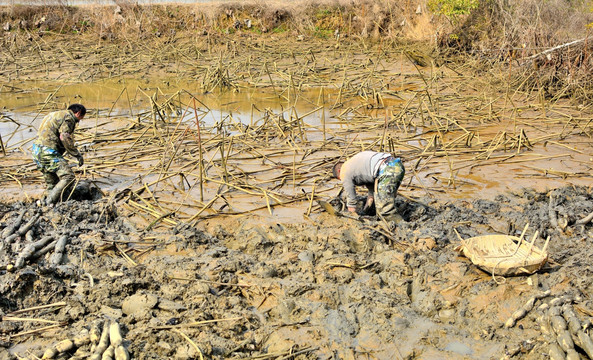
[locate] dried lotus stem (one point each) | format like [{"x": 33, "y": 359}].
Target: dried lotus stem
[
  {"x": 103, "y": 343},
  {"x": 65, "y": 345},
  {"x": 556, "y": 353},
  {"x": 527, "y": 307},
  {"x": 95, "y": 333},
  {"x": 115, "y": 334},
  {"x": 121, "y": 353},
  {"x": 109, "y": 353}
]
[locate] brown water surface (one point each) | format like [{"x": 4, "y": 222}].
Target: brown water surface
[{"x": 115, "y": 104}]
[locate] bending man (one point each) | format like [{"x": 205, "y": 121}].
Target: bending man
[
  {"x": 55, "y": 137},
  {"x": 381, "y": 173}
]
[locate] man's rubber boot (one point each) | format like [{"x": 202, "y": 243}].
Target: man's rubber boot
[{"x": 54, "y": 195}]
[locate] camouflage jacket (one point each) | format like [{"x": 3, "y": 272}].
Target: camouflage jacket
[
  {"x": 56, "y": 132},
  {"x": 362, "y": 170}
]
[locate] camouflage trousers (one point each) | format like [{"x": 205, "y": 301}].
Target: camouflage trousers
[
  {"x": 52, "y": 165},
  {"x": 390, "y": 177}
]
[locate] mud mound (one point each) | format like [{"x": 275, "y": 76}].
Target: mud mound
[{"x": 333, "y": 287}]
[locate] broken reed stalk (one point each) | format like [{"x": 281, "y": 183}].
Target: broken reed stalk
[
  {"x": 2, "y": 146},
  {"x": 384, "y": 133},
  {"x": 196, "y": 215},
  {"x": 115, "y": 101},
  {"x": 191, "y": 342},
  {"x": 38, "y": 330},
  {"x": 267, "y": 201},
  {"x": 311, "y": 202},
  {"x": 201, "y": 156},
  {"x": 125, "y": 256},
  {"x": 212, "y": 282},
  {"x": 150, "y": 210},
  {"x": 321, "y": 101},
  {"x": 294, "y": 171},
  {"x": 270, "y": 77},
  {"x": 283, "y": 355},
  {"x": 40, "y": 307},
  {"x": 13, "y": 318}
]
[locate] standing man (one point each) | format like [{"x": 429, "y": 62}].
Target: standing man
[
  {"x": 55, "y": 137},
  {"x": 381, "y": 173}
]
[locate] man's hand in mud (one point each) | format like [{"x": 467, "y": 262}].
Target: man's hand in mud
[
  {"x": 352, "y": 209},
  {"x": 369, "y": 206},
  {"x": 80, "y": 160}
]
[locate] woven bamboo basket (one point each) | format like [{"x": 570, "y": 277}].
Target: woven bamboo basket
[{"x": 504, "y": 255}]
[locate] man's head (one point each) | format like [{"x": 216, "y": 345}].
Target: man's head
[
  {"x": 336, "y": 170},
  {"x": 78, "y": 110}
]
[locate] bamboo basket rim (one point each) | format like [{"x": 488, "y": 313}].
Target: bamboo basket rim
[{"x": 502, "y": 254}]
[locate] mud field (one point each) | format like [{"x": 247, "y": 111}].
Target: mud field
[
  {"x": 334, "y": 289},
  {"x": 196, "y": 233}
]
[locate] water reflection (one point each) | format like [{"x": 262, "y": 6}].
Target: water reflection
[
  {"x": 128, "y": 99},
  {"x": 283, "y": 157}
]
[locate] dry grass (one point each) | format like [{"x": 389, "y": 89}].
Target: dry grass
[
  {"x": 378, "y": 19},
  {"x": 513, "y": 35},
  {"x": 493, "y": 29}
]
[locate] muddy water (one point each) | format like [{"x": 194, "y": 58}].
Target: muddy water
[
  {"x": 115, "y": 104},
  {"x": 127, "y": 98},
  {"x": 548, "y": 165}
]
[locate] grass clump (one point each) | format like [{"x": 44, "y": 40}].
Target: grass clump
[{"x": 520, "y": 36}]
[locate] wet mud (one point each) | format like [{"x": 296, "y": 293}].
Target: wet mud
[{"x": 332, "y": 287}]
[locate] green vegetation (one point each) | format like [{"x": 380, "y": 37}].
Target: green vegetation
[
  {"x": 323, "y": 13},
  {"x": 280, "y": 29},
  {"x": 452, "y": 8},
  {"x": 322, "y": 33}
]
